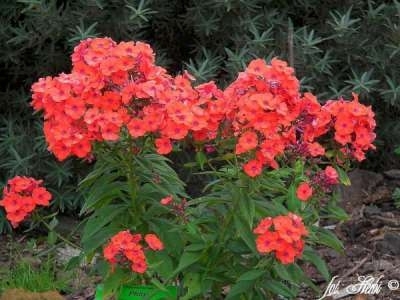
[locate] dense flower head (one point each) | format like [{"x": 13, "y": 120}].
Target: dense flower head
[
  {"x": 270, "y": 117},
  {"x": 21, "y": 195},
  {"x": 126, "y": 248},
  {"x": 283, "y": 235},
  {"x": 263, "y": 103},
  {"x": 115, "y": 85},
  {"x": 354, "y": 126}
]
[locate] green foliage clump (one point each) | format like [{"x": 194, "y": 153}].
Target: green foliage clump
[{"x": 36, "y": 279}]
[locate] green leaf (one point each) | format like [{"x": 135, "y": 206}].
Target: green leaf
[
  {"x": 103, "y": 168},
  {"x": 278, "y": 288},
  {"x": 195, "y": 247},
  {"x": 169, "y": 183},
  {"x": 282, "y": 272},
  {"x": 101, "y": 218},
  {"x": 252, "y": 275},
  {"x": 52, "y": 237},
  {"x": 170, "y": 235},
  {"x": 98, "y": 240},
  {"x": 327, "y": 238},
  {"x": 201, "y": 159},
  {"x": 239, "y": 288},
  {"x": 113, "y": 282},
  {"x": 158, "y": 284},
  {"x": 74, "y": 262},
  {"x": 102, "y": 193},
  {"x": 294, "y": 274},
  {"x": 192, "y": 281},
  {"x": 53, "y": 223},
  {"x": 333, "y": 210},
  {"x": 311, "y": 256},
  {"x": 397, "y": 150},
  {"x": 245, "y": 232},
  {"x": 293, "y": 203},
  {"x": 299, "y": 168},
  {"x": 297, "y": 273},
  {"x": 344, "y": 179},
  {"x": 272, "y": 207},
  {"x": 191, "y": 228},
  {"x": 187, "y": 259},
  {"x": 246, "y": 205},
  {"x": 160, "y": 262}
]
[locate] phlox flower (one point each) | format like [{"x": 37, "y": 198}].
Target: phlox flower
[
  {"x": 125, "y": 247},
  {"x": 166, "y": 200},
  {"x": 282, "y": 235},
  {"x": 154, "y": 242},
  {"x": 21, "y": 195},
  {"x": 304, "y": 191}
]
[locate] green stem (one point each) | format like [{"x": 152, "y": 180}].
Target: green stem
[
  {"x": 131, "y": 177},
  {"x": 237, "y": 166},
  {"x": 233, "y": 208},
  {"x": 68, "y": 242}
]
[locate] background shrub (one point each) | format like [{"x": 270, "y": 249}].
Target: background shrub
[{"x": 335, "y": 46}]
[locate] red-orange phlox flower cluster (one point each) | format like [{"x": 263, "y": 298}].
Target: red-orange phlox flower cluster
[
  {"x": 21, "y": 195},
  {"x": 125, "y": 248},
  {"x": 115, "y": 86},
  {"x": 263, "y": 103},
  {"x": 282, "y": 235},
  {"x": 354, "y": 126},
  {"x": 112, "y": 86},
  {"x": 269, "y": 116}
]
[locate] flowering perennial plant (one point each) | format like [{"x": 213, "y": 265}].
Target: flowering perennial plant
[
  {"x": 21, "y": 195},
  {"x": 269, "y": 153}
]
